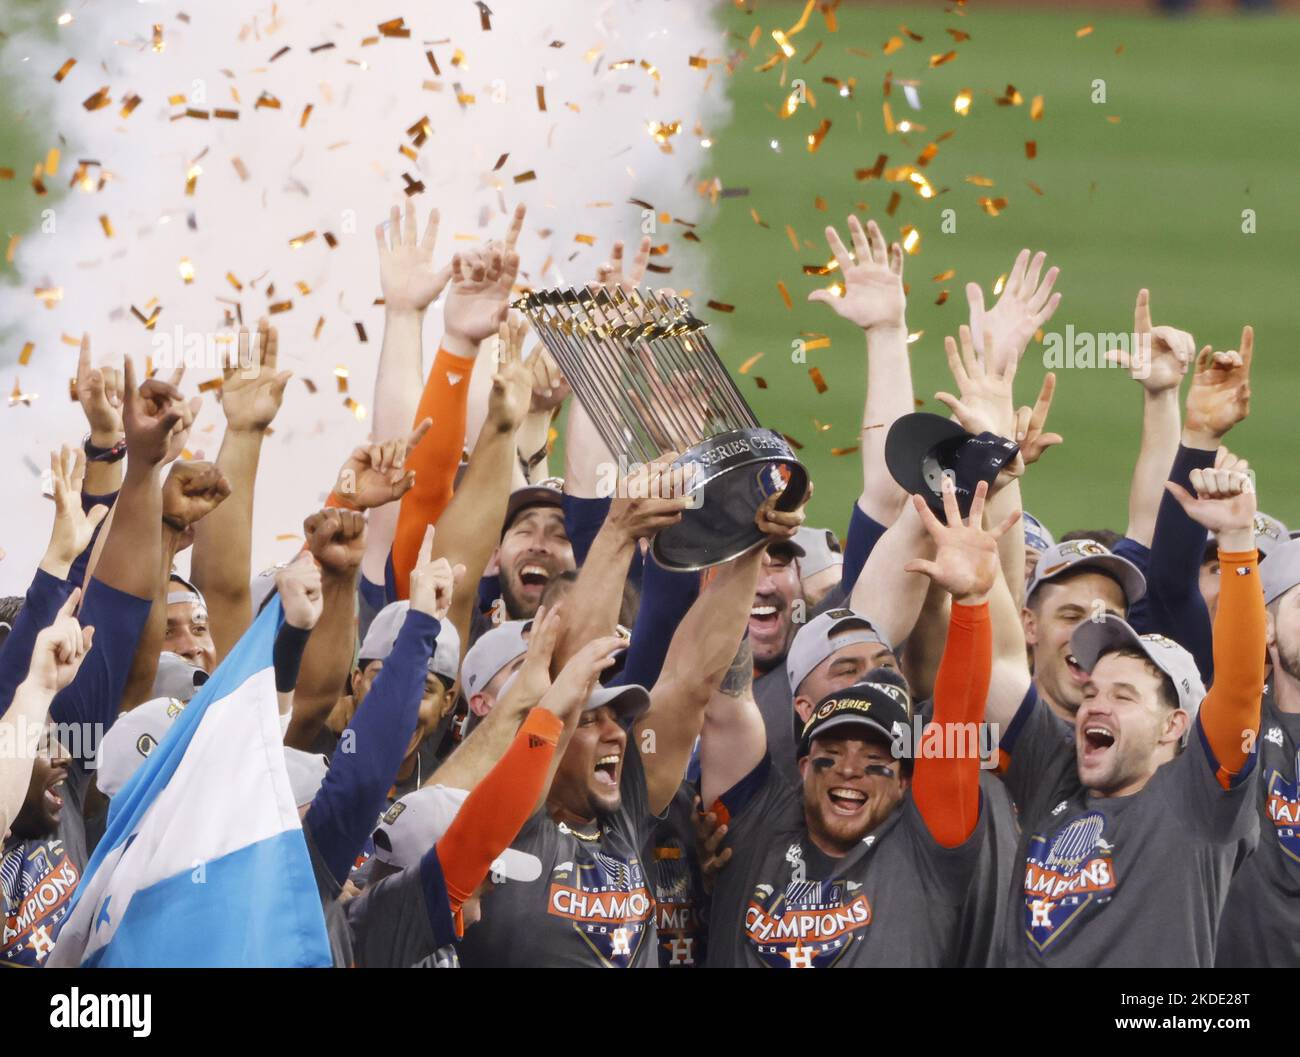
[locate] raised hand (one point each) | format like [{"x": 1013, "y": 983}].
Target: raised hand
[
  {"x": 533, "y": 678},
  {"x": 73, "y": 527},
  {"x": 781, "y": 524},
  {"x": 375, "y": 474},
  {"x": 481, "y": 281},
  {"x": 299, "y": 586},
  {"x": 578, "y": 678},
  {"x": 1224, "y": 501},
  {"x": 151, "y": 413},
  {"x": 191, "y": 492},
  {"x": 407, "y": 277},
  {"x": 1031, "y": 423},
  {"x": 433, "y": 582},
  {"x": 99, "y": 391},
  {"x": 550, "y": 389},
  {"x": 985, "y": 383},
  {"x": 647, "y": 502},
  {"x": 873, "y": 285},
  {"x": 966, "y": 560},
  {"x": 512, "y": 385},
  {"x": 1219, "y": 396},
  {"x": 251, "y": 389},
  {"x": 1024, "y": 305},
  {"x": 1163, "y": 353},
  {"x": 337, "y": 540},
  {"x": 60, "y": 649},
  {"x": 626, "y": 276}
]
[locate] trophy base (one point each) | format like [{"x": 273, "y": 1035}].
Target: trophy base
[{"x": 739, "y": 469}]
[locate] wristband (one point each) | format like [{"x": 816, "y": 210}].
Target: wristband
[{"x": 94, "y": 453}]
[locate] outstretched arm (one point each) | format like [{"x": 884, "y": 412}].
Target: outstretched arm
[
  {"x": 1225, "y": 504},
  {"x": 946, "y": 790},
  {"x": 409, "y": 283},
  {"x": 701, "y": 652},
  {"x": 481, "y": 282},
  {"x": 873, "y": 299},
  {"x": 1158, "y": 363},
  {"x": 251, "y": 393}
]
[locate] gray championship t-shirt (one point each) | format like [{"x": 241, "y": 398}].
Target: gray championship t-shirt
[
  {"x": 1260, "y": 926},
  {"x": 404, "y": 920},
  {"x": 1132, "y": 881},
  {"x": 680, "y": 900},
  {"x": 592, "y": 906},
  {"x": 895, "y": 900}
]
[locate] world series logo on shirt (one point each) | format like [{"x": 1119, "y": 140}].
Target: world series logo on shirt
[{"x": 1068, "y": 877}]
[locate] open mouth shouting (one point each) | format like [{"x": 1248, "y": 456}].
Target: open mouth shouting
[
  {"x": 607, "y": 769},
  {"x": 1097, "y": 739},
  {"x": 533, "y": 577},
  {"x": 846, "y": 801},
  {"x": 765, "y": 617}
]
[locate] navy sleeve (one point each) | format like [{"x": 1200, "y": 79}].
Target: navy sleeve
[
  {"x": 45, "y": 597},
  {"x": 582, "y": 520},
  {"x": 1175, "y": 607},
  {"x": 489, "y": 590},
  {"x": 1139, "y": 555},
  {"x": 77, "y": 574},
  {"x": 343, "y": 813},
  {"x": 371, "y": 598},
  {"x": 665, "y": 598},
  {"x": 864, "y": 533},
  {"x": 95, "y": 695},
  {"x": 436, "y": 900}
]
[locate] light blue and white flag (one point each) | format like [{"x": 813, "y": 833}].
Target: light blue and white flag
[{"x": 204, "y": 862}]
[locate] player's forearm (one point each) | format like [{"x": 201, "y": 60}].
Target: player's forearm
[
  {"x": 398, "y": 383},
  {"x": 132, "y": 549},
  {"x": 889, "y": 397},
  {"x": 584, "y": 452},
  {"x": 924, "y": 649},
  {"x": 592, "y": 606},
  {"x": 1160, "y": 432},
  {"x": 326, "y": 661},
  {"x": 103, "y": 478},
  {"x": 698, "y": 658},
  {"x": 946, "y": 788},
  {"x": 1230, "y": 714},
  {"x": 19, "y": 728},
  {"x": 887, "y": 595},
  {"x": 498, "y": 806},
  {"x": 470, "y": 527},
  {"x": 144, "y": 666},
  {"x": 1010, "y": 679},
  {"x": 221, "y": 566},
  {"x": 1011, "y": 544},
  {"x": 434, "y": 459}
]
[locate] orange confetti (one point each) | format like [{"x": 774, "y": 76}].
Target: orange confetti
[
  {"x": 785, "y": 294},
  {"x": 719, "y": 306},
  {"x": 1036, "y": 108},
  {"x": 1031, "y": 149},
  {"x": 939, "y": 60},
  {"x": 817, "y": 135},
  {"x": 1083, "y": 31},
  {"x": 744, "y": 368},
  {"x": 63, "y": 70},
  {"x": 818, "y": 379}
]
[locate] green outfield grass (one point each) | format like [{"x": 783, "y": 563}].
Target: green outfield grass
[{"x": 1207, "y": 128}]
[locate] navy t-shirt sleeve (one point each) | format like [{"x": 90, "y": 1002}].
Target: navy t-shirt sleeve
[
  {"x": 1139, "y": 555},
  {"x": 864, "y": 533},
  {"x": 77, "y": 574},
  {"x": 665, "y": 598},
  {"x": 1175, "y": 607},
  {"x": 44, "y": 598},
  {"x": 95, "y": 695}
]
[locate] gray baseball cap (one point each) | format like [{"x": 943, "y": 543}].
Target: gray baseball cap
[
  {"x": 416, "y": 822},
  {"x": 822, "y": 636},
  {"x": 130, "y": 740},
  {"x": 1280, "y": 571},
  {"x": 1074, "y": 556},
  {"x": 1092, "y": 638},
  {"x": 821, "y": 550},
  {"x": 379, "y": 640},
  {"x": 494, "y": 649}
]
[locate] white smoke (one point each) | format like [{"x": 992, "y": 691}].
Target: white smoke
[{"x": 591, "y": 151}]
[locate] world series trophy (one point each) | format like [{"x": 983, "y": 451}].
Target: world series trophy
[{"x": 643, "y": 369}]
